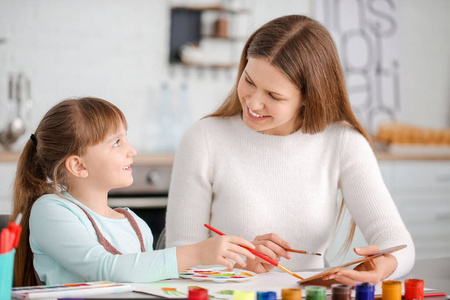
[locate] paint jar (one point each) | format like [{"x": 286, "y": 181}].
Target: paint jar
[
  {"x": 391, "y": 290},
  {"x": 266, "y": 296},
  {"x": 198, "y": 294},
  {"x": 341, "y": 292},
  {"x": 414, "y": 289},
  {"x": 316, "y": 292},
  {"x": 291, "y": 294},
  {"x": 244, "y": 295},
  {"x": 364, "y": 291}
]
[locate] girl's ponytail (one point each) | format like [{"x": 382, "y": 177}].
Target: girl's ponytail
[{"x": 30, "y": 184}]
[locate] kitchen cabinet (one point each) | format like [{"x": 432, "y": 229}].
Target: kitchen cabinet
[
  {"x": 421, "y": 191},
  {"x": 7, "y": 175},
  {"x": 199, "y": 41}
]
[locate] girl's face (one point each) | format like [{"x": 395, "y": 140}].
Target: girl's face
[
  {"x": 270, "y": 101},
  {"x": 109, "y": 162}
]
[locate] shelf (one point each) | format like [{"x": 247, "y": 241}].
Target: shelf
[
  {"x": 186, "y": 29},
  {"x": 229, "y": 38},
  {"x": 216, "y": 8},
  {"x": 207, "y": 65}
]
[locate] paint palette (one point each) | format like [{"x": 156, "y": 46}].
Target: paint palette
[
  {"x": 218, "y": 276},
  {"x": 359, "y": 260}
]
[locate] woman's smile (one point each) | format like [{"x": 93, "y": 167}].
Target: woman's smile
[{"x": 254, "y": 116}]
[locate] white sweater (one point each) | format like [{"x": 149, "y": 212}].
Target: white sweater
[{"x": 246, "y": 183}]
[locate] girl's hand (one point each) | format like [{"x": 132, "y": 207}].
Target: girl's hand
[
  {"x": 372, "y": 271},
  {"x": 217, "y": 250},
  {"x": 270, "y": 245}
]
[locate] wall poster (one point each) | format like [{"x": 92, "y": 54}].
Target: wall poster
[{"x": 366, "y": 33}]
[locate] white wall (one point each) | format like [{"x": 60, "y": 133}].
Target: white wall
[
  {"x": 112, "y": 49},
  {"x": 117, "y": 50},
  {"x": 426, "y": 62}
]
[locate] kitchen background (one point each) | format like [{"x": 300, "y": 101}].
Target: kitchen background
[{"x": 128, "y": 52}]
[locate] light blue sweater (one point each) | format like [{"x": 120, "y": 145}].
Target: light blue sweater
[{"x": 66, "y": 248}]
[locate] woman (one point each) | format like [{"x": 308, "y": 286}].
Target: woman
[{"x": 274, "y": 156}]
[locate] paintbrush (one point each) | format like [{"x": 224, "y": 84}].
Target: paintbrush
[
  {"x": 303, "y": 252},
  {"x": 260, "y": 255}
]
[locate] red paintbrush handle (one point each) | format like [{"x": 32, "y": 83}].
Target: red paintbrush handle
[
  {"x": 260, "y": 255},
  {"x": 215, "y": 230},
  {"x": 266, "y": 258}
]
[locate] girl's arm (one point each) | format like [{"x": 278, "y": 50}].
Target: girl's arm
[
  {"x": 64, "y": 242},
  {"x": 213, "y": 251}
]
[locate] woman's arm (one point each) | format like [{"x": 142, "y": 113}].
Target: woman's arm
[
  {"x": 190, "y": 193},
  {"x": 373, "y": 210}
]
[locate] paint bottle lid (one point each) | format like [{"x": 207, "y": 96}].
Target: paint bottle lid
[
  {"x": 391, "y": 290},
  {"x": 414, "y": 289},
  {"x": 291, "y": 294},
  {"x": 364, "y": 291},
  {"x": 315, "y": 292},
  {"x": 198, "y": 294},
  {"x": 244, "y": 295},
  {"x": 341, "y": 292},
  {"x": 266, "y": 296}
]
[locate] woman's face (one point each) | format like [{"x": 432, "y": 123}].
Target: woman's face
[{"x": 270, "y": 101}]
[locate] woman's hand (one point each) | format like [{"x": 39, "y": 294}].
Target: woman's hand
[
  {"x": 372, "y": 271},
  {"x": 217, "y": 250},
  {"x": 270, "y": 245}
]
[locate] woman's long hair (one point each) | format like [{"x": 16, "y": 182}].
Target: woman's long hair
[
  {"x": 67, "y": 129},
  {"x": 304, "y": 51}
]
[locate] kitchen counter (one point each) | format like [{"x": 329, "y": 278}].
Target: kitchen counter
[
  {"x": 167, "y": 159},
  {"x": 140, "y": 159},
  {"x": 6, "y": 156},
  {"x": 384, "y": 155}
]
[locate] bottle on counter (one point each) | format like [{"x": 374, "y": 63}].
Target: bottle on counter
[
  {"x": 164, "y": 121},
  {"x": 182, "y": 113}
]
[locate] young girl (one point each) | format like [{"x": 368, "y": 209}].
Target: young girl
[
  {"x": 281, "y": 147},
  {"x": 77, "y": 154}
]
